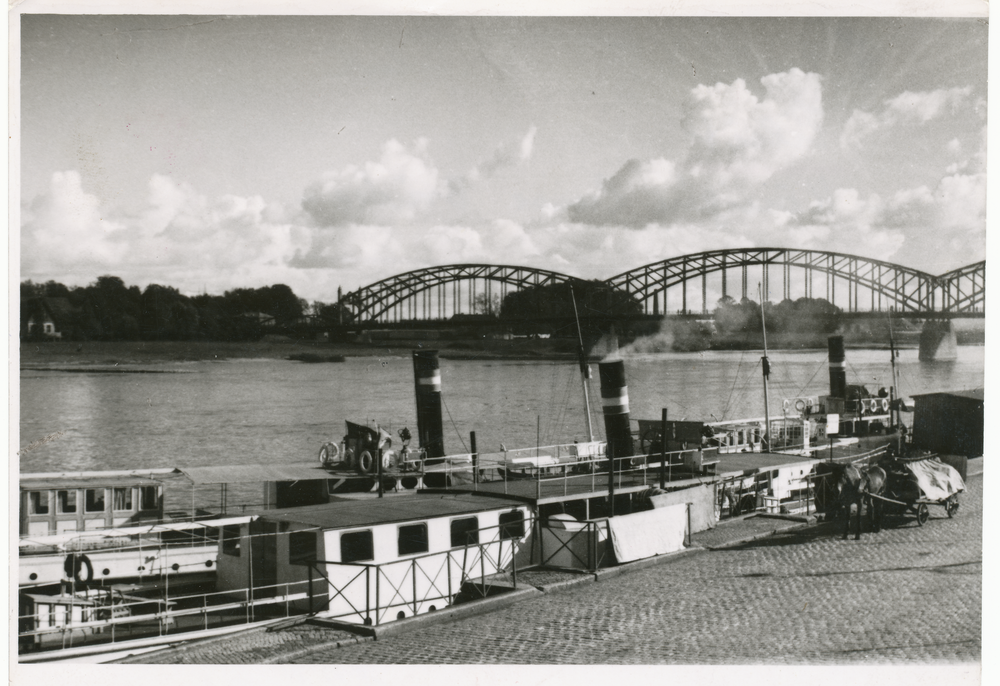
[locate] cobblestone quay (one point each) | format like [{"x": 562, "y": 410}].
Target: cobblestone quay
[{"x": 910, "y": 594}]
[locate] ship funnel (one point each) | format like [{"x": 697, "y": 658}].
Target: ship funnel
[
  {"x": 614, "y": 398},
  {"x": 427, "y": 383},
  {"x": 838, "y": 370}
]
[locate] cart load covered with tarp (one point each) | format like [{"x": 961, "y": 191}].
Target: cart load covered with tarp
[
  {"x": 936, "y": 480},
  {"x": 912, "y": 485}
]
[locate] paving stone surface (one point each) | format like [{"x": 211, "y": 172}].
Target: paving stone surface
[{"x": 909, "y": 594}]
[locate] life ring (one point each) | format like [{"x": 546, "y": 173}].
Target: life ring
[
  {"x": 76, "y": 563},
  {"x": 366, "y": 463},
  {"x": 784, "y": 405},
  {"x": 329, "y": 453},
  {"x": 800, "y": 405},
  {"x": 885, "y": 404},
  {"x": 349, "y": 460}
]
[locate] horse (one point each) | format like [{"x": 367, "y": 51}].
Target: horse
[{"x": 857, "y": 486}]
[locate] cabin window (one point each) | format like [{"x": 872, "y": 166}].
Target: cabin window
[
  {"x": 301, "y": 547},
  {"x": 149, "y": 497},
  {"x": 94, "y": 500},
  {"x": 464, "y": 532},
  {"x": 511, "y": 525},
  {"x": 66, "y": 502},
  {"x": 413, "y": 539},
  {"x": 231, "y": 540},
  {"x": 357, "y": 546},
  {"x": 122, "y": 498},
  {"x": 38, "y": 502}
]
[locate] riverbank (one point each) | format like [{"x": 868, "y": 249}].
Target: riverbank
[{"x": 274, "y": 347}]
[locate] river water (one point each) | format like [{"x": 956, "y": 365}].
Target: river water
[{"x": 276, "y": 411}]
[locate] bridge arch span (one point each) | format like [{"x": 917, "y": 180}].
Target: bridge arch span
[
  {"x": 439, "y": 292},
  {"x": 864, "y": 284}
]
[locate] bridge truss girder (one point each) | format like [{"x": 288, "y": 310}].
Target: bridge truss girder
[
  {"x": 904, "y": 289},
  {"x": 376, "y": 300}
]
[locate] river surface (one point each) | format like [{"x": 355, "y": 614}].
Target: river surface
[{"x": 277, "y": 411}]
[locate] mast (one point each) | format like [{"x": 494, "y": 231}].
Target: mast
[
  {"x": 766, "y": 368},
  {"x": 894, "y": 418},
  {"x": 584, "y": 367}
]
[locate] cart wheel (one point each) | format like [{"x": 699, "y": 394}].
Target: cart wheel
[
  {"x": 923, "y": 514},
  {"x": 951, "y": 507}
]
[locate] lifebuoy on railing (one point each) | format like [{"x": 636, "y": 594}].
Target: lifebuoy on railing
[
  {"x": 784, "y": 405},
  {"x": 75, "y": 564},
  {"x": 329, "y": 453},
  {"x": 885, "y": 404},
  {"x": 800, "y": 405},
  {"x": 366, "y": 463}
]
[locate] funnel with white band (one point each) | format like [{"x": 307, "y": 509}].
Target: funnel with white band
[
  {"x": 614, "y": 398},
  {"x": 427, "y": 384},
  {"x": 838, "y": 367}
]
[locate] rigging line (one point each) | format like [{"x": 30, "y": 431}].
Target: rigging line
[
  {"x": 736, "y": 378},
  {"x": 803, "y": 388},
  {"x": 749, "y": 380},
  {"x": 457, "y": 432}
]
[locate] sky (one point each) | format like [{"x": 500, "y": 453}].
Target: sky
[{"x": 215, "y": 152}]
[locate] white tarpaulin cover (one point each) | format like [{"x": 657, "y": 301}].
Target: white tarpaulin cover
[
  {"x": 936, "y": 479},
  {"x": 645, "y": 534},
  {"x": 701, "y": 498}
]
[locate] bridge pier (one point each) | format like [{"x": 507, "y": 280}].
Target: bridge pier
[{"x": 938, "y": 341}]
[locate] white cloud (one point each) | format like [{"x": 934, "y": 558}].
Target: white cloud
[
  {"x": 906, "y": 108},
  {"x": 394, "y": 189},
  {"x": 64, "y": 231},
  {"x": 738, "y": 143},
  {"x": 931, "y": 229},
  {"x": 508, "y": 154}
]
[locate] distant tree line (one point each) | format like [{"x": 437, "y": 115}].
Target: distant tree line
[
  {"x": 805, "y": 315},
  {"x": 109, "y": 310}
]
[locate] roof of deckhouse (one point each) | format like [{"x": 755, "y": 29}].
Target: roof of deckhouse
[
  {"x": 353, "y": 513},
  {"x": 972, "y": 394}
]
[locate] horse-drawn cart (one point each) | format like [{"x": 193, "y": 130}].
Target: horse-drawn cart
[{"x": 914, "y": 484}]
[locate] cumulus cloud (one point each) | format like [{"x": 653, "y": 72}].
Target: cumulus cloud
[
  {"x": 400, "y": 185},
  {"x": 906, "y": 108},
  {"x": 738, "y": 142},
  {"x": 935, "y": 229},
  {"x": 65, "y": 231},
  {"x": 181, "y": 238},
  {"x": 508, "y": 154},
  {"x": 395, "y": 188}
]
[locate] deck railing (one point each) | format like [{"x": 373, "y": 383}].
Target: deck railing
[
  {"x": 111, "y": 618},
  {"x": 370, "y": 593}
]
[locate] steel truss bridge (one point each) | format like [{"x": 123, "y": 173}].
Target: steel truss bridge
[{"x": 859, "y": 286}]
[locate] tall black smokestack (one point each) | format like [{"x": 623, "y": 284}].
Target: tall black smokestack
[
  {"x": 614, "y": 398},
  {"x": 427, "y": 383},
  {"x": 838, "y": 370}
]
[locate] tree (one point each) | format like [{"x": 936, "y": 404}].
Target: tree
[{"x": 484, "y": 304}]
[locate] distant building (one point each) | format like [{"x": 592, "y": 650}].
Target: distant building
[{"x": 49, "y": 317}]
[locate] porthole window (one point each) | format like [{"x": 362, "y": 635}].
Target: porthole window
[
  {"x": 464, "y": 532},
  {"x": 357, "y": 546},
  {"x": 511, "y": 525},
  {"x": 412, "y": 539}
]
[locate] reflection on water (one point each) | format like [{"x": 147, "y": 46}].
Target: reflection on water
[{"x": 245, "y": 411}]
